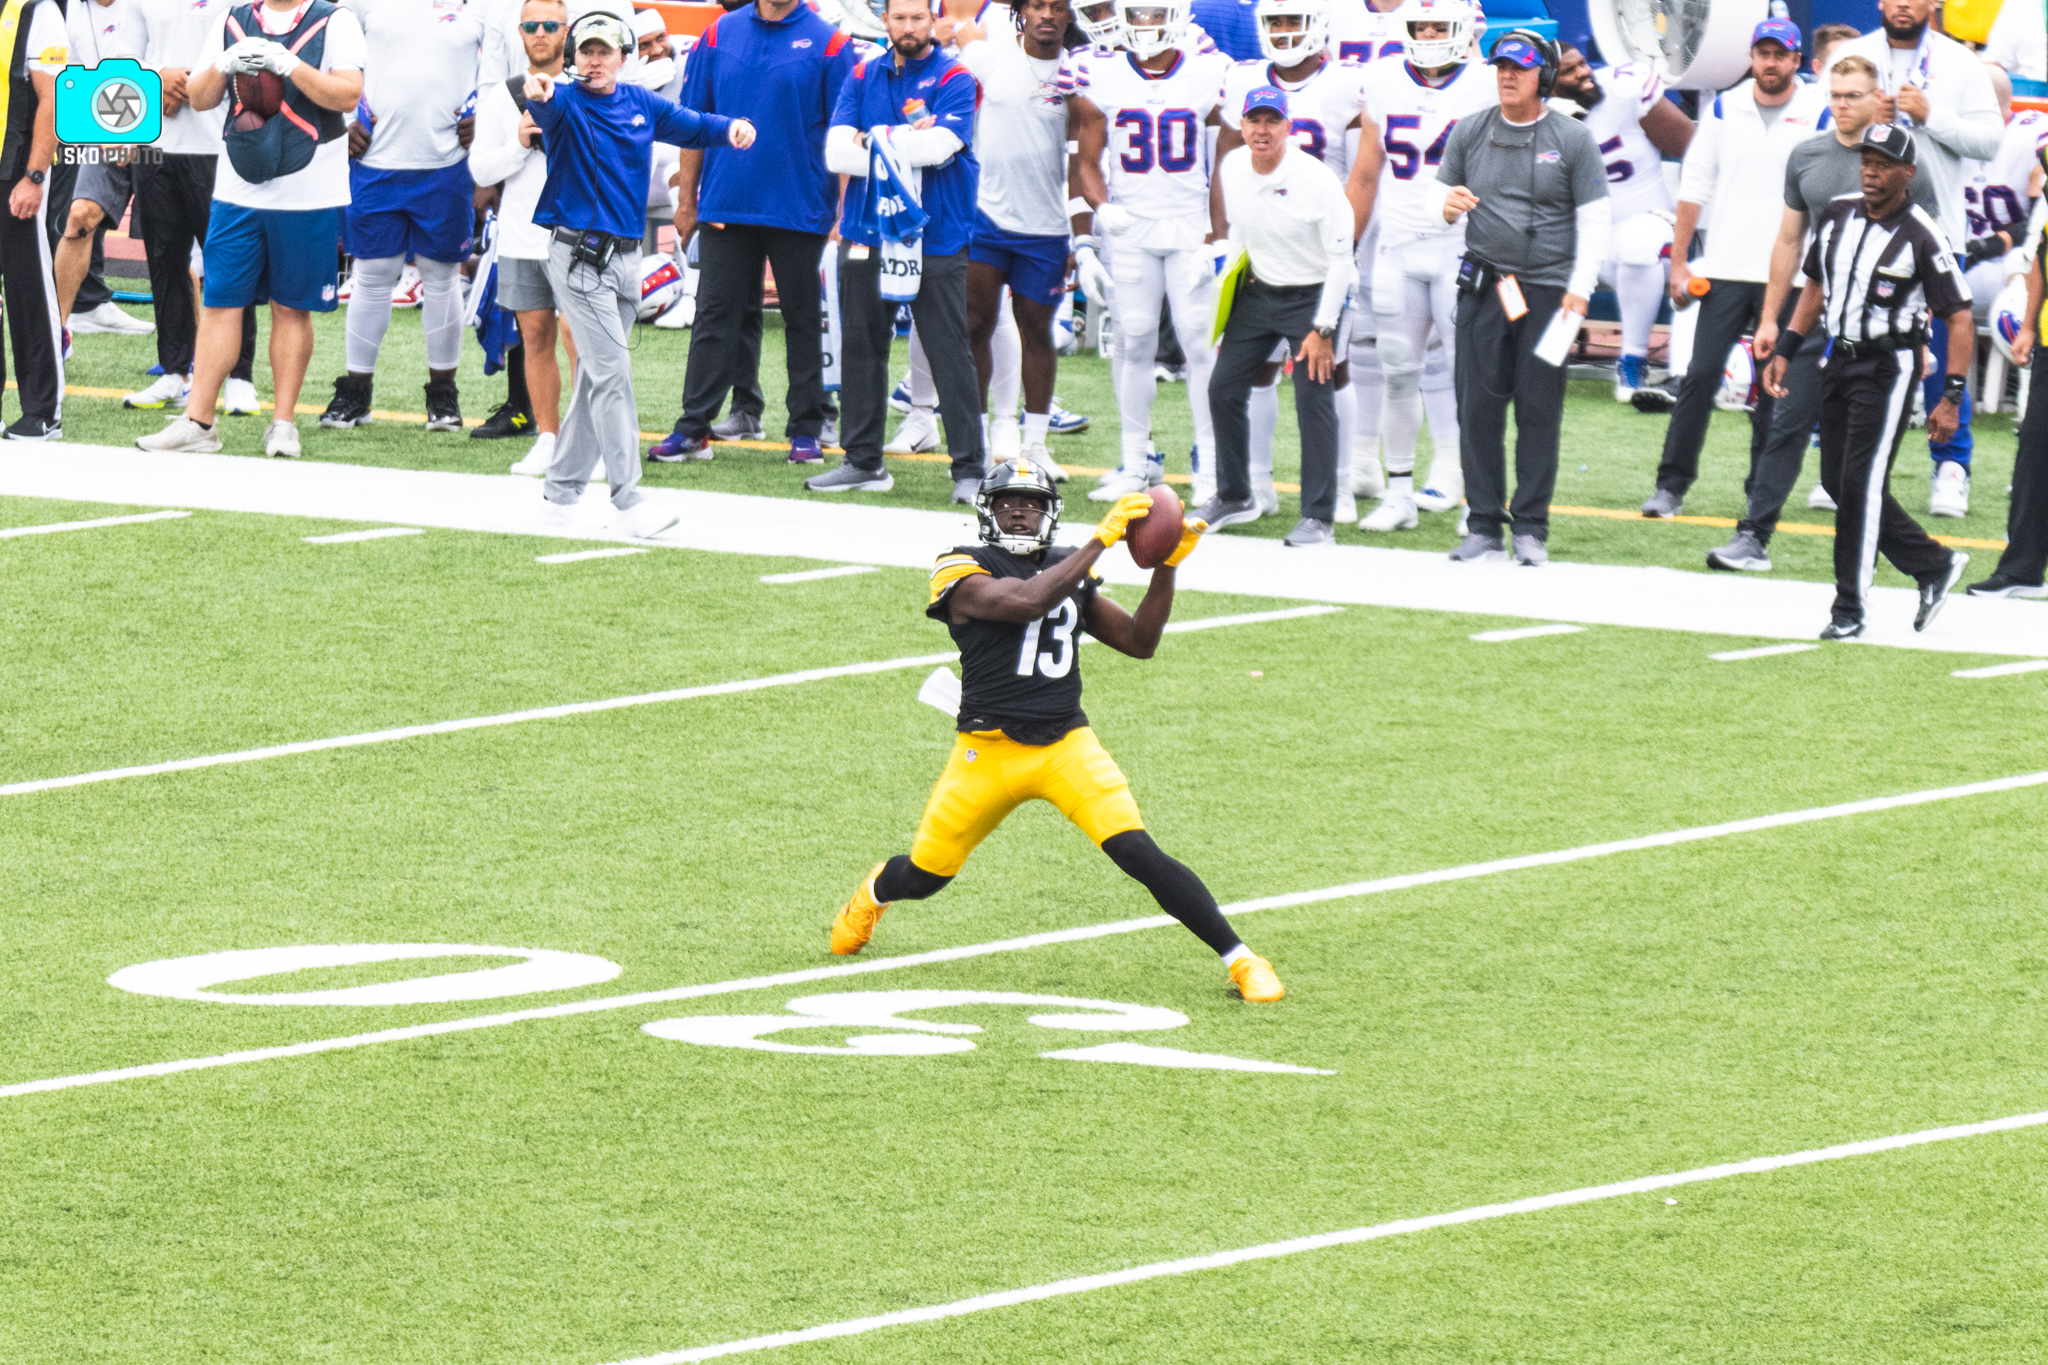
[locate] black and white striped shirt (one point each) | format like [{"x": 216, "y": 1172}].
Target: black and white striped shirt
[{"x": 1882, "y": 276}]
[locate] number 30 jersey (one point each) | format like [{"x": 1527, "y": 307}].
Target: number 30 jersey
[
  {"x": 1321, "y": 107},
  {"x": 1023, "y": 679},
  {"x": 1415, "y": 119},
  {"x": 1158, "y": 158}
]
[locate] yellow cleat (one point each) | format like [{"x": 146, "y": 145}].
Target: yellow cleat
[
  {"x": 1255, "y": 978},
  {"x": 855, "y": 924}
]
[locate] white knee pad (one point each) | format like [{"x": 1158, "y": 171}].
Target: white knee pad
[{"x": 1399, "y": 362}]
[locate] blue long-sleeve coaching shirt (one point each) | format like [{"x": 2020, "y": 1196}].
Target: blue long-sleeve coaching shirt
[
  {"x": 935, "y": 84},
  {"x": 785, "y": 78},
  {"x": 601, "y": 152}
]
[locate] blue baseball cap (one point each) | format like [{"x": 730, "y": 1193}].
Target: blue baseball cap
[
  {"x": 1266, "y": 97},
  {"x": 1783, "y": 32},
  {"x": 1516, "y": 52}
]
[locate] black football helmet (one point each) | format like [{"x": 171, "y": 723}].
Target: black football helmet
[{"x": 1017, "y": 476}]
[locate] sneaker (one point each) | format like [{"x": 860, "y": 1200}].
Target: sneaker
[
  {"x": 168, "y": 390},
  {"x": 1169, "y": 374},
  {"x": 1840, "y": 629},
  {"x": 1530, "y": 552},
  {"x": 1221, "y": 512},
  {"x": 739, "y": 426},
  {"x": 850, "y": 478},
  {"x": 1819, "y": 500},
  {"x": 1257, "y": 983},
  {"x": 1368, "y": 480},
  {"x": 1934, "y": 590},
  {"x": 183, "y": 434},
  {"x": 1663, "y": 505},
  {"x": 108, "y": 318},
  {"x": 507, "y": 420},
  {"x": 679, "y": 316},
  {"x": 351, "y": 405},
  {"x": 539, "y": 457},
  {"x": 1998, "y": 585},
  {"x": 918, "y": 433},
  {"x": 1629, "y": 375},
  {"x": 1042, "y": 458},
  {"x": 1347, "y": 505},
  {"x": 238, "y": 398},
  {"x": 1653, "y": 398},
  {"x": 675, "y": 447},
  {"x": 1267, "y": 496},
  {"x": 444, "y": 406},
  {"x": 1948, "y": 495},
  {"x": 1005, "y": 441},
  {"x": 1118, "y": 483},
  {"x": 966, "y": 491},
  {"x": 409, "y": 290},
  {"x": 38, "y": 429},
  {"x": 899, "y": 397},
  {"x": 804, "y": 450},
  {"x": 1396, "y": 512},
  {"x": 1445, "y": 488},
  {"x": 644, "y": 520},
  {"x": 1310, "y": 531},
  {"x": 68, "y": 348},
  {"x": 281, "y": 440},
  {"x": 1060, "y": 422},
  {"x": 1745, "y": 553},
  {"x": 828, "y": 435},
  {"x": 1476, "y": 547},
  {"x": 855, "y": 923}
]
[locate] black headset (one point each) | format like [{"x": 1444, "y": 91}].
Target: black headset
[{"x": 1546, "y": 79}]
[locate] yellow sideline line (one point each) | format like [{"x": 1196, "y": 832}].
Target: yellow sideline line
[{"x": 1797, "y": 528}]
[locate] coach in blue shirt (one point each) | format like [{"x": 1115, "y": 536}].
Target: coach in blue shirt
[
  {"x": 779, "y": 65},
  {"x": 928, "y": 100}
]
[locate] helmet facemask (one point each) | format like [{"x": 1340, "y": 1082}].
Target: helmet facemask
[
  {"x": 1150, "y": 27},
  {"x": 1010, "y": 479},
  {"x": 1104, "y": 28},
  {"x": 1453, "y": 45},
  {"x": 1302, "y": 33}
]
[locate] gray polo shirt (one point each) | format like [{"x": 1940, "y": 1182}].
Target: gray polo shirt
[
  {"x": 1821, "y": 168},
  {"x": 1530, "y": 182}
]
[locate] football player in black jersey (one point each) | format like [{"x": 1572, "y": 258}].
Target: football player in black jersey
[{"x": 1015, "y": 604}]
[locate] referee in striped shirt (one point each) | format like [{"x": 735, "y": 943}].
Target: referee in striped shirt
[{"x": 1877, "y": 268}]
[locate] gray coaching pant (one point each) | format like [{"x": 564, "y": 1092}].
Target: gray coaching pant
[
  {"x": 1774, "y": 468},
  {"x": 602, "y": 424},
  {"x": 1260, "y": 315}
]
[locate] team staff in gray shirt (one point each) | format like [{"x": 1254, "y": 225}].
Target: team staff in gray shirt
[{"x": 1533, "y": 191}]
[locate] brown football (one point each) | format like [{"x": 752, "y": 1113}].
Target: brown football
[
  {"x": 1152, "y": 538},
  {"x": 261, "y": 92}
]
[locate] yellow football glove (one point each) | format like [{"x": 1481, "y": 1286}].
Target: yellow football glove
[
  {"x": 1190, "y": 533},
  {"x": 1128, "y": 509}
]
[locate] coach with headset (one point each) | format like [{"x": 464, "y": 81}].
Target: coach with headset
[{"x": 1532, "y": 189}]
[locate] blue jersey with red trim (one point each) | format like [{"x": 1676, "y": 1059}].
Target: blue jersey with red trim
[
  {"x": 935, "y": 84},
  {"x": 785, "y": 78}
]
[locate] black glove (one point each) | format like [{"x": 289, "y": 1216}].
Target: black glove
[{"x": 1985, "y": 249}]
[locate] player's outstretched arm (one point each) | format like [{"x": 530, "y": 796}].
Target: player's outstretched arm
[
  {"x": 983, "y": 597},
  {"x": 1138, "y": 635}
]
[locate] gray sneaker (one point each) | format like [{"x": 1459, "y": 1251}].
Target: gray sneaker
[
  {"x": 1476, "y": 547},
  {"x": 1745, "y": 552},
  {"x": 966, "y": 490},
  {"x": 739, "y": 426},
  {"x": 1531, "y": 552},
  {"x": 1222, "y": 512},
  {"x": 1663, "y": 504},
  {"x": 849, "y": 478},
  {"x": 1311, "y": 531},
  {"x": 828, "y": 435}
]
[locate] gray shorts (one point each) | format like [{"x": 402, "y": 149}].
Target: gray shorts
[
  {"x": 109, "y": 186},
  {"x": 523, "y": 286}
]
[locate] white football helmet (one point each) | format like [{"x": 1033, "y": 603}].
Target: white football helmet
[
  {"x": 2009, "y": 316},
  {"x": 661, "y": 284},
  {"x": 1150, "y": 27},
  {"x": 1455, "y": 46},
  {"x": 1098, "y": 19},
  {"x": 1298, "y": 42}
]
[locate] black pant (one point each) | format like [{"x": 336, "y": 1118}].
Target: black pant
[
  {"x": 1496, "y": 365},
  {"x": 1774, "y": 468},
  {"x": 1863, "y": 410},
  {"x": 868, "y": 323},
  {"x": 1260, "y": 315},
  {"x": 1728, "y": 311},
  {"x": 729, "y": 262},
  {"x": 174, "y": 200},
  {"x": 30, "y": 284},
  {"x": 2026, "y": 518}
]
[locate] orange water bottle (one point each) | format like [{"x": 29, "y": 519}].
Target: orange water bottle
[{"x": 1698, "y": 286}]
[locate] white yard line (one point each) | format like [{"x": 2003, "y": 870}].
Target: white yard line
[
  {"x": 1347, "y": 891},
  {"x": 1498, "y": 637},
  {"x": 55, "y": 526},
  {"x": 1730, "y": 656},
  {"x": 578, "y": 556},
  {"x": 2002, "y": 670},
  {"x": 1295, "y": 1246},
  {"x": 349, "y": 537},
  {"x": 813, "y": 575}
]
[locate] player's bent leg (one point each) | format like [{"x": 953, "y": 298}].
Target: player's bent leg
[
  {"x": 899, "y": 879},
  {"x": 1183, "y": 895}
]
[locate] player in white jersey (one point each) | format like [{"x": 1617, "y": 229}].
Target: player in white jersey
[
  {"x": 1364, "y": 30},
  {"x": 1998, "y": 199},
  {"x": 1411, "y": 106},
  {"x": 1138, "y": 117},
  {"x": 1636, "y": 127}
]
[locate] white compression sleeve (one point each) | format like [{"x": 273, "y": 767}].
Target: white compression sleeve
[
  {"x": 923, "y": 392},
  {"x": 441, "y": 312},
  {"x": 369, "y": 310},
  {"x": 1265, "y": 411},
  {"x": 1006, "y": 355}
]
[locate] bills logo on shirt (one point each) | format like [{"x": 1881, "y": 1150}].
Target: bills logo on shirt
[
  {"x": 801, "y": 42},
  {"x": 1546, "y": 158}
]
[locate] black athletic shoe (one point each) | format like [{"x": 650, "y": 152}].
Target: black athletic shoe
[
  {"x": 1842, "y": 630},
  {"x": 444, "y": 406},
  {"x": 1999, "y": 585},
  {"x": 35, "y": 429},
  {"x": 351, "y": 405},
  {"x": 1934, "y": 590},
  {"x": 1650, "y": 398},
  {"x": 508, "y": 420}
]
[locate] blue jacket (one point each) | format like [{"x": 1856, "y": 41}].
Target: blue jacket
[
  {"x": 1231, "y": 26},
  {"x": 601, "y": 152},
  {"x": 935, "y": 84},
  {"x": 785, "y": 77}
]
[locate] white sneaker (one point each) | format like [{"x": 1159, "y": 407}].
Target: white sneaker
[
  {"x": 1949, "y": 494},
  {"x": 1347, "y": 505},
  {"x": 238, "y": 396},
  {"x": 1819, "y": 499},
  {"x": 539, "y": 457},
  {"x": 1396, "y": 512},
  {"x": 1006, "y": 441},
  {"x": 918, "y": 433},
  {"x": 281, "y": 440},
  {"x": 1116, "y": 484},
  {"x": 644, "y": 520},
  {"x": 1265, "y": 495},
  {"x": 1445, "y": 487},
  {"x": 108, "y": 318},
  {"x": 169, "y": 390},
  {"x": 1368, "y": 480},
  {"x": 182, "y": 435},
  {"x": 1040, "y": 456},
  {"x": 409, "y": 290},
  {"x": 1202, "y": 490},
  {"x": 680, "y": 316}
]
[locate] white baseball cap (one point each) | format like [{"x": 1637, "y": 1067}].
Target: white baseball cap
[{"x": 602, "y": 26}]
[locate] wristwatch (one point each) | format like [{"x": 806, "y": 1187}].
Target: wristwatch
[
  {"x": 1327, "y": 333},
  {"x": 35, "y": 177}
]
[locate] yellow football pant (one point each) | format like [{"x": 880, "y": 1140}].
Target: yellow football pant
[{"x": 989, "y": 775}]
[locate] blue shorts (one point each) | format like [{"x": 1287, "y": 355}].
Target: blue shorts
[
  {"x": 271, "y": 256},
  {"x": 1035, "y": 266},
  {"x": 421, "y": 214}
]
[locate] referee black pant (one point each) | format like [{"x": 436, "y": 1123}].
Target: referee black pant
[
  {"x": 729, "y": 262},
  {"x": 2026, "y": 518},
  {"x": 1728, "y": 310},
  {"x": 867, "y": 324},
  {"x": 1496, "y": 366},
  {"x": 1260, "y": 315},
  {"x": 1863, "y": 410},
  {"x": 174, "y": 200},
  {"x": 33, "y": 327}
]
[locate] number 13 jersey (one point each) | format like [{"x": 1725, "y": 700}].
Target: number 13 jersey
[
  {"x": 1415, "y": 120},
  {"x": 1023, "y": 678},
  {"x": 1158, "y": 156}
]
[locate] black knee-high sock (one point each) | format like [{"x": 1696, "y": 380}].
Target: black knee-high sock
[
  {"x": 515, "y": 380},
  {"x": 902, "y": 880},
  {"x": 1178, "y": 890}
]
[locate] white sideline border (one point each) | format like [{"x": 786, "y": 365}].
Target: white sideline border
[
  {"x": 1081, "y": 933},
  {"x": 1295, "y": 1246}
]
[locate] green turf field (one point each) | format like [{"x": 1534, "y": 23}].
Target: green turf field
[{"x": 574, "y": 1190}]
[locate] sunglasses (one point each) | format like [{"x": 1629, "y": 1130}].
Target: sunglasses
[{"x": 539, "y": 25}]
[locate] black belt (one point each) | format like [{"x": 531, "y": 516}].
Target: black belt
[
  {"x": 1252, "y": 277},
  {"x": 1890, "y": 341},
  {"x": 574, "y": 236}
]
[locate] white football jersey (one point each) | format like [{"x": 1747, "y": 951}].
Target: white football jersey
[
  {"x": 1158, "y": 155},
  {"x": 1360, "y": 33},
  {"x": 423, "y": 62},
  {"x": 1321, "y": 107},
  {"x": 1414, "y": 121},
  {"x": 1635, "y": 168},
  {"x": 1996, "y": 197}
]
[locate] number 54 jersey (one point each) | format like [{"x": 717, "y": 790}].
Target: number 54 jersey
[
  {"x": 1158, "y": 157},
  {"x": 1415, "y": 120},
  {"x": 1023, "y": 678}
]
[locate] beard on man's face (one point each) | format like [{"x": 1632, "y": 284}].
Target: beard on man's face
[{"x": 1910, "y": 33}]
